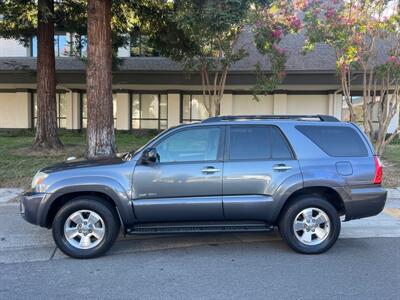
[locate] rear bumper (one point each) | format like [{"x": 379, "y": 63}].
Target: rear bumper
[
  {"x": 365, "y": 202},
  {"x": 29, "y": 206}
]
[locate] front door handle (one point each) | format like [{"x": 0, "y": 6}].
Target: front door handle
[
  {"x": 210, "y": 170},
  {"x": 282, "y": 167}
]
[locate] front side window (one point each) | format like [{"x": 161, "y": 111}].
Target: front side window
[
  {"x": 149, "y": 111},
  {"x": 200, "y": 144},
  {"x": 84, "y": 110},
  {"x": 61, "y": 103},
  {"x": 193, "y": 108},
  {"x": 257, "y": 142}
]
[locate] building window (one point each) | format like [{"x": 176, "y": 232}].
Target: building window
[
  {"x": 149, "y": 111},
  {"x": 61, "y": 100},
  {"x": 84, "y": 110},
  {"x": 80, "y": 46},
  {"x": 62, "y": 45},
  {"x": 139, "y": 45},
  {"x": 193, "y": 108}
]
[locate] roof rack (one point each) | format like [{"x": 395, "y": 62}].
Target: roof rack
[{"x": 322, "y": 118}]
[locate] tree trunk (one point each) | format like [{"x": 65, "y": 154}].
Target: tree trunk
[
  {"x": 100, "y": 127},
  {"x": 46, "y": 126}
]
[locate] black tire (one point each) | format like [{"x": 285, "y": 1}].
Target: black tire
[
  {"x": 100, "y": 207},
  {"x": 288, "y": 217}
]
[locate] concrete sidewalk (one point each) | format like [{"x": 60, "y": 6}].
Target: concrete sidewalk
[{"x": 22, "y": 242}]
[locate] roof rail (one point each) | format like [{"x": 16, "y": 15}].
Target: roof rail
[{"x": 322, "y": 118}]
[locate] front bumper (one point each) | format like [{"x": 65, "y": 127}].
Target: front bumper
[
  {"x": 365, "y": 202},
  {"x": 29, "y": 206}
]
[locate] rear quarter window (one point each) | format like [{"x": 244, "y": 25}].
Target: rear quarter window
[{"x": 337, "y": 141}]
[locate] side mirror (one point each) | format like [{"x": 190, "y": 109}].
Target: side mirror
[{"x": 150, "y": 155}]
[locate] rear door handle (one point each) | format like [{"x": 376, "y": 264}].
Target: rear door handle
[
  {"x": 210, "y": 170},
  {"x": 282, "y": 167}
]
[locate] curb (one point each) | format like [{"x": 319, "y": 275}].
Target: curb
[
  {"x": 9, "y": 194},
  {"x": 393, "y": 193}
]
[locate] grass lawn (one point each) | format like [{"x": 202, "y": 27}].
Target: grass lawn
[
  {"x": 391, "y": 165},
  {"x": 18, "y": 163}
]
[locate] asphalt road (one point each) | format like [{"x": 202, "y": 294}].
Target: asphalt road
[
  {"x": 353, "y": 269},
  {"x": 364, "y": 264}
]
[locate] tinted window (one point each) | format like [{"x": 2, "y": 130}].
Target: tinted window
[
  {"x": 258, "y": 142},
  {"x": 279, "y": 145},
  {"x": 190, "y": 145},
  {"x": 335, "y": 140},
  {"x": 249, "y": 142}
]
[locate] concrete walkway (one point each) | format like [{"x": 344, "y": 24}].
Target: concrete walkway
[{"x": 23, "y": 242}]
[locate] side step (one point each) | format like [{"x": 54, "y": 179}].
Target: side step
[{"x": 159, "y": 228}]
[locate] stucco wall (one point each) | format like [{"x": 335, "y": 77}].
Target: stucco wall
[
  {"x": 307, "y": 104},
  {"x": 247, "y": 105},
  {"x": 15, "y": 110}
]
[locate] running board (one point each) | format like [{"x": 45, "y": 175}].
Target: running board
[{"x": 159, "y": 228}]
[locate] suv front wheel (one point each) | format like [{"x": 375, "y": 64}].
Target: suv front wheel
[
  {"x": 310, "y": 225},
  {"x": 85, "y": 227}
]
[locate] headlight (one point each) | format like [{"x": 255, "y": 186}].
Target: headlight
[{"x": 37, "y": 182}]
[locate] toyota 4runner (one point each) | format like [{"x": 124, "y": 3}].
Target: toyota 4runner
[{"x": 232, "y": 173}]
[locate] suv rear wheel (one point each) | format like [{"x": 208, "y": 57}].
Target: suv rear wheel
[
  {"x": 310, "y": 225},
  {"x": 85, "y": 227}
]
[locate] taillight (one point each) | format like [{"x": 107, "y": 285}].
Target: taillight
[{"x": 378, "y": 170}]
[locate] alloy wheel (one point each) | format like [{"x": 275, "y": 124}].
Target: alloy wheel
[
  {"x": 311, "y": 226},
  {"x": 84, "y": 229}
]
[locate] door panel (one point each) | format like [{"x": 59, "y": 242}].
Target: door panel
[
  {"x": 249, "y": 187},
  {"x": 177, "y": 188},
  {"x": 177, "y": 180},
  {"x": 179, "y": 209},
  {"x": 258, "y": 159}
]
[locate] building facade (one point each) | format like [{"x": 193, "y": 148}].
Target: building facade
[{"x": 152, "y": 92}]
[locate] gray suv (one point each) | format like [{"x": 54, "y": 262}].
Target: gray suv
[{"x": 232, "y": 173}]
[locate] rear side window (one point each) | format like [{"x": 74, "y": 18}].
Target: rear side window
[
  {"x": 280, "y": 148},
  {"x": 338, "y": 141},
  {"x": 257, "y": 142}
]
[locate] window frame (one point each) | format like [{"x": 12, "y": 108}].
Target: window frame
[
  {"x": 159, "y": 119},
  {"x": 81, "y": 118},
  {"x": 56, "y": 45},
  {"x": 58, "y": 110},
  {"x": 190, "y": 120},
  {"x": 271, "y": 158},
  {"x": 221, "y": 144}
]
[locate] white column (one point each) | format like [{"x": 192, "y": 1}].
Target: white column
[
  {"x": 74, "y": 111},
  {"x": 123, "y": 110},
  {"x": 173, "y": 109},
  {"x": 335, "y": 105},
  {"x": 280, "y": 104},
  {"x": 69, "y": 110}
]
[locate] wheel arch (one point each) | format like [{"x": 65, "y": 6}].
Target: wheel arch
[
  {"x": 328, "y": 193},
  {"x": 117, "y": 199}
]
